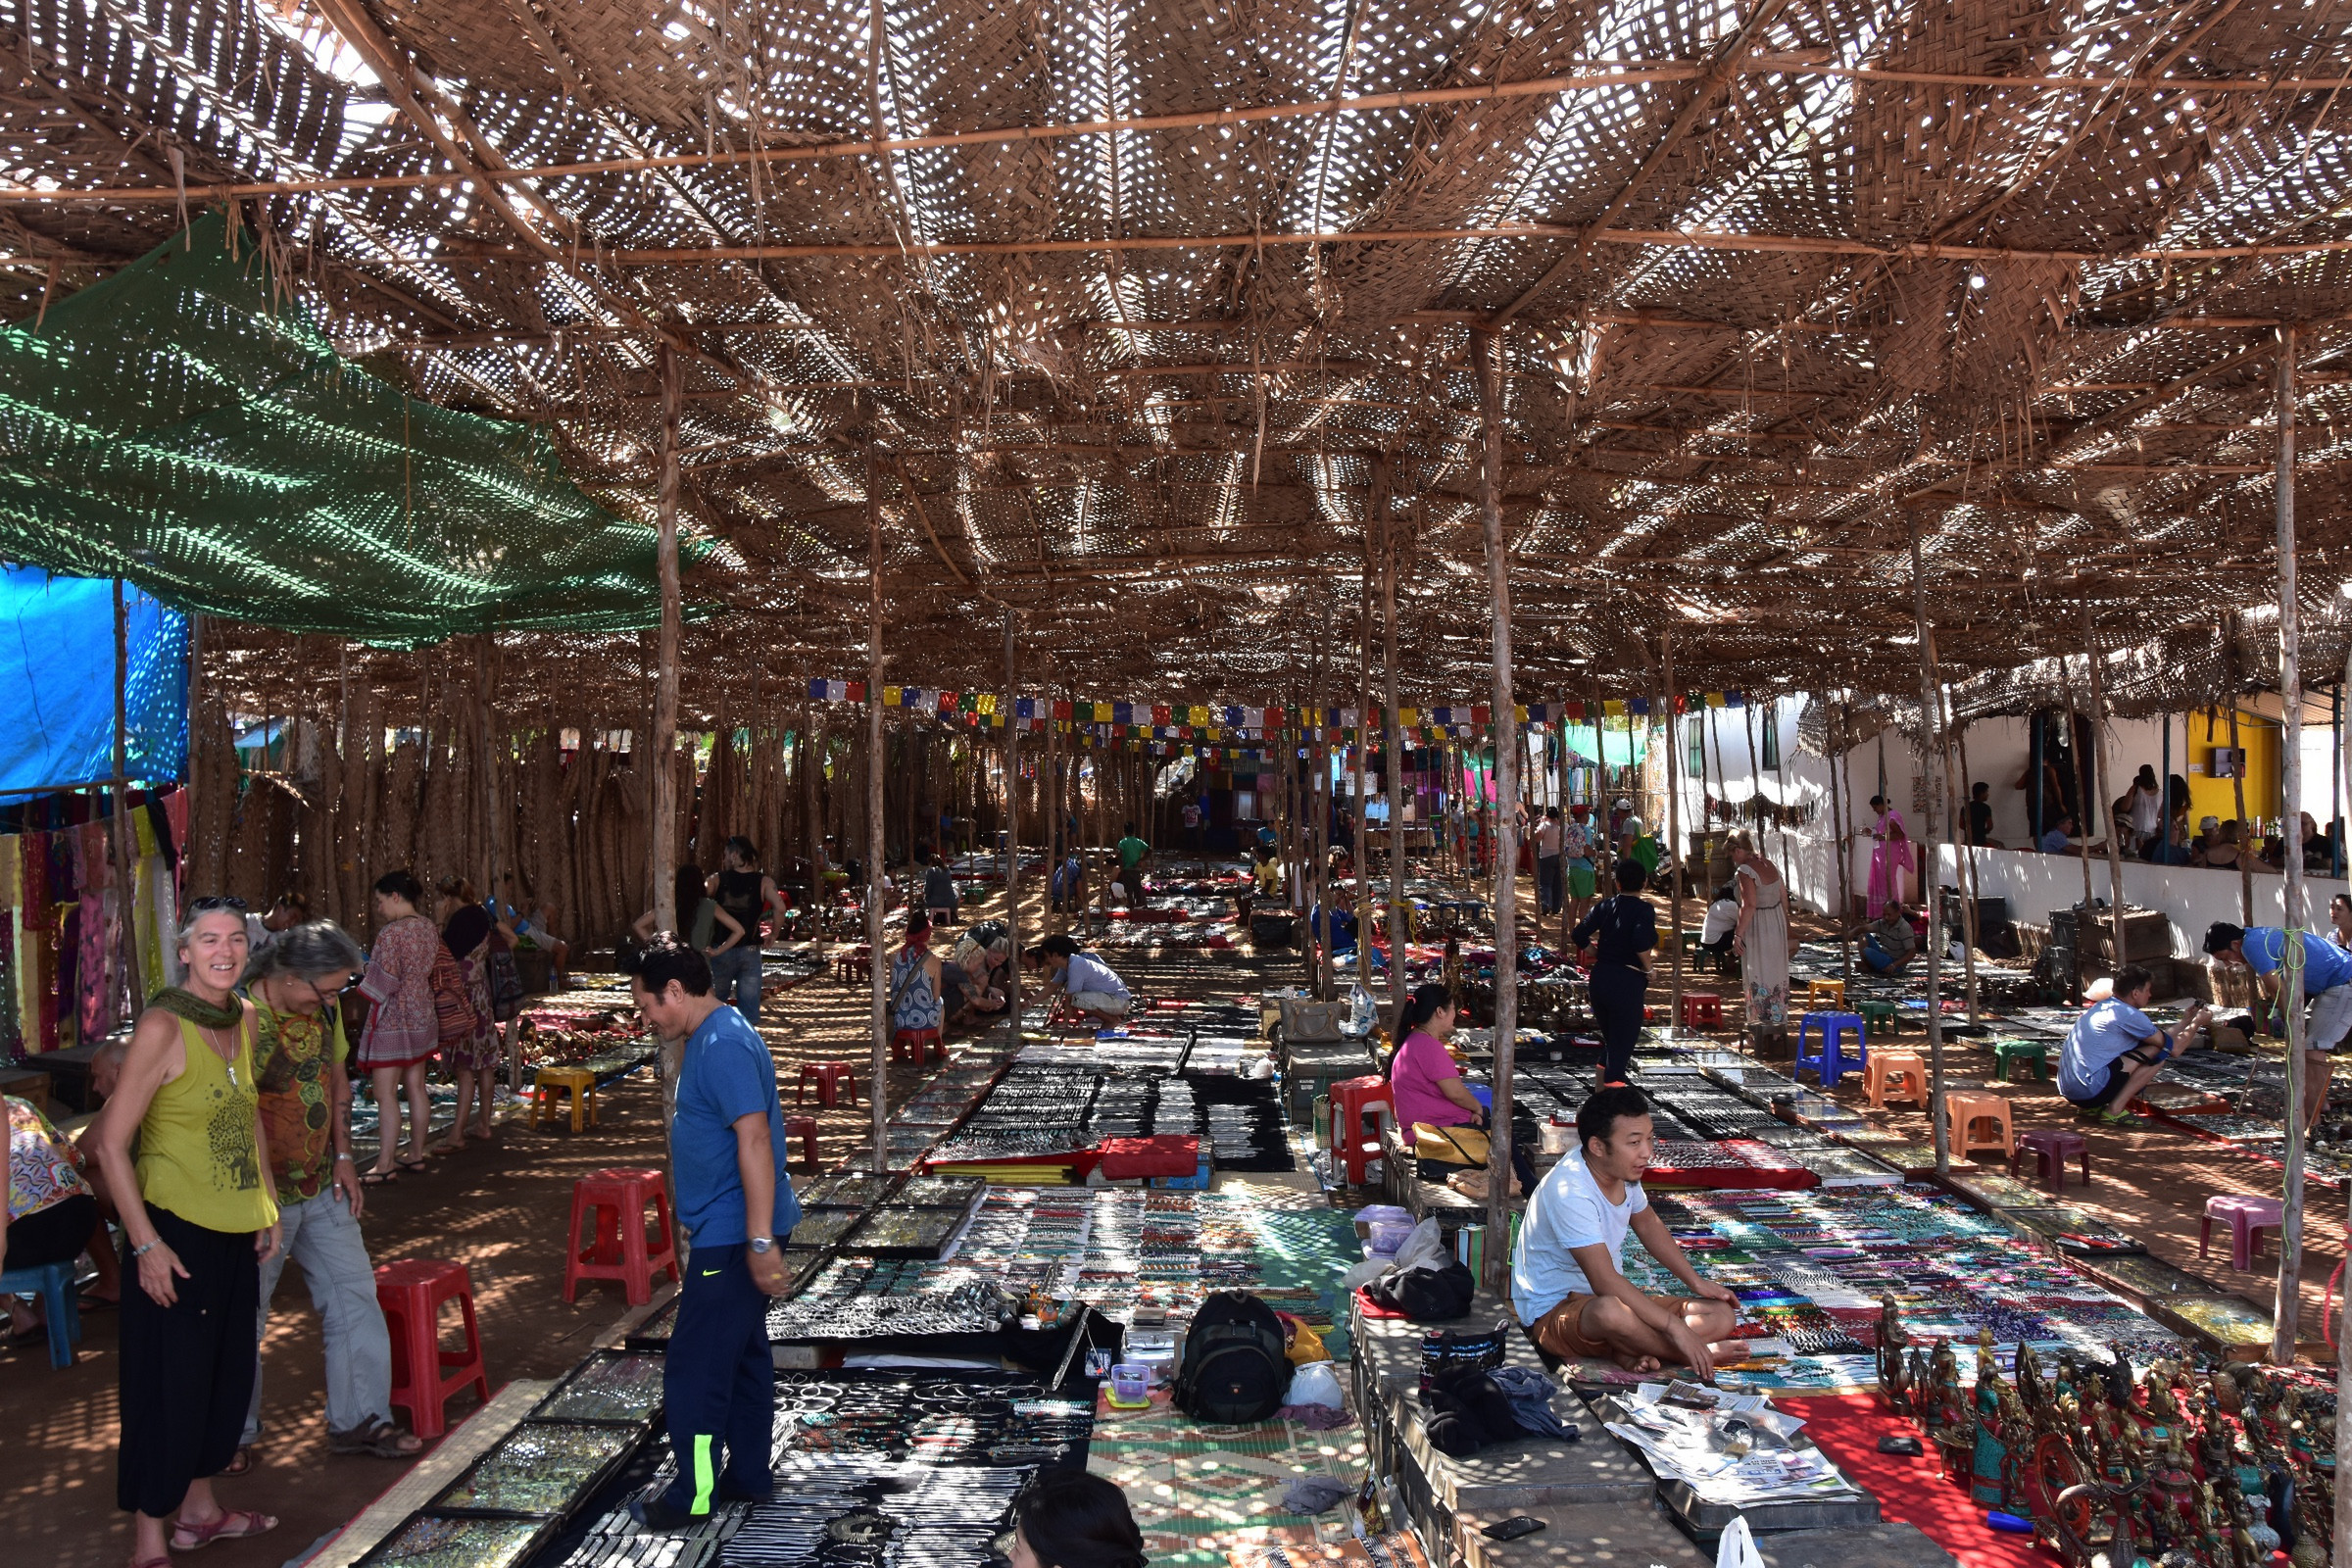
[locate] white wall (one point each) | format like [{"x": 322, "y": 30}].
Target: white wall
[
  {"x": 2191, "y": 898},
  {"x": 1998, "y": 752}
]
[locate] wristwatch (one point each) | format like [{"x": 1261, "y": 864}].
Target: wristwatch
[{"x": 762, "y": 1243}]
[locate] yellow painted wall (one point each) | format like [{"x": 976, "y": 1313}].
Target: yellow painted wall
[{"x": 2216, "y": 796}]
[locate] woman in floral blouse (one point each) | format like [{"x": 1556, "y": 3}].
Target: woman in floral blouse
[{"x": 402, "y": 1034}]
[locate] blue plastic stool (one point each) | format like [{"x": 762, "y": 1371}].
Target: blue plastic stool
[
  {"x": 1830, "y": 1062},
  {"x": 59, "y": 1305}
]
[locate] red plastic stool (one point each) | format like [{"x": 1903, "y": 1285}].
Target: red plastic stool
[
  {"x": 616, "y": 1202},
  {"x": 2051, "y": 1149},
  {"x": 1703, "y": 1010},
  {"x": 2248, "y": 1218},
  {"x": 855, "y": 965},
  {"x": 411, "y": 1291},
  {"x": 805, "y": 1129},
  {"x": 917, "y": 1045},
  {"x": 1354, "y": 1146},
  {"x": 829, "y": 1077}
]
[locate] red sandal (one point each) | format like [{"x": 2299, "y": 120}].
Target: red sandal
[{"x": 234, "y": 1524}]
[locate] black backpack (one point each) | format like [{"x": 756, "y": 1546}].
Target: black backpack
[{"x": 1235, "y": 1368}]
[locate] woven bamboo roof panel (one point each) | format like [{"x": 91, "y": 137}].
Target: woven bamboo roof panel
[{"x": 1150, "y": 321}]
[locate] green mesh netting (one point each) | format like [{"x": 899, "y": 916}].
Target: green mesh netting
[{"x": 185, "y": 426}]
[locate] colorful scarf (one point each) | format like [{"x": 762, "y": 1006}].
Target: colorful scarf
[{"x": 181, "y": 1003}]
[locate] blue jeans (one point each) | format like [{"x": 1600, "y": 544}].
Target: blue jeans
[
  {"x": 719, "y": 1382},
  {"x": 1547, "y": 883},
  {"x": 321, "y": 1233},
  {"x": 735, "y": 977}
]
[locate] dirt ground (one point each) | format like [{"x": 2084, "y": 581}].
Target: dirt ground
[{"x": 501, "y": 1211}]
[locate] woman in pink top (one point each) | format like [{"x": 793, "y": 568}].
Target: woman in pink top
[{"x": 1424, "y": 1083}]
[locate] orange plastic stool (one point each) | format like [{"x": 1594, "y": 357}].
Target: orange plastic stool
[
  {"x": 917, "y": 1045},
  {"x": 829, "y": 1077},
  {"x": 1703, "y": 1010},
  {"x": 805, "y": 1129},
  {"x": 1354, "y": 1146},
  {"x": 616, "y": 1201},
  {"x": 1962, "y": 1112},
  {"x": 1897, "y": 1075},
  {"x": 411, "y": 1291}
]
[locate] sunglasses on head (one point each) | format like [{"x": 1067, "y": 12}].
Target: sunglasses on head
[{"x": 212, "y": 903}]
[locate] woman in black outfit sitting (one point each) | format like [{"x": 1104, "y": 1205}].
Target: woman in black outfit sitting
[{"x": 1622, "y": 928}]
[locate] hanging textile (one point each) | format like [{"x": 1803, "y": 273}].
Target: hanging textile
[{"x": 93, "y": 990}]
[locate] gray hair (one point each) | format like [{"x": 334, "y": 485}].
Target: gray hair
[{"x": 312, "y": 948}]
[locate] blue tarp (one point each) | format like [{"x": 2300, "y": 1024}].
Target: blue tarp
[{"x": 57, "y": 669}]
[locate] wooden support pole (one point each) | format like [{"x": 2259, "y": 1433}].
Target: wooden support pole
[
  {"x": 1672, "y": 859},
  {"x": 2288, "y": 1310},
  {"x": 2343, "y": 1341},
  {"x": 1363, "y": 730},
  {"x": 878, "y": 890},
  {"x": 1930, "y": 715},
  {"x": 126, "y": 859},
  {"x": 1505, "y": 826},
  {"x": 1842, "y": 799},
  {"x": 1393, "y": 729},
  {"x": 1970, "y": 887},
  {"x": 662, "y": 834},
  {"x": 1010, "y": 712},
  {"x": 2098, "y": 786},
  {"x": 2230, "y": 628}
]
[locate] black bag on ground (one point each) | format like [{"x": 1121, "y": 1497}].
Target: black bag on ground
[
  {"x": 1467, "y": 1412},
  {"x": 1426, "y": 1295},
  {"x": 1235, "y": 1368}
]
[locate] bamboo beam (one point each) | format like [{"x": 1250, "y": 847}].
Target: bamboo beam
[
  {"x": 1505, "y": 835},
  {"x": 2288, "y": 1310},
  {"x": 1587, "y": 77}
]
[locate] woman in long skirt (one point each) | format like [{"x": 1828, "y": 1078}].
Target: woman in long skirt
[{"x": 1761, "y": 940}]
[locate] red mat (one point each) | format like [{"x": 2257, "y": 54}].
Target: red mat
[{"x": 1848, "y": 1426}]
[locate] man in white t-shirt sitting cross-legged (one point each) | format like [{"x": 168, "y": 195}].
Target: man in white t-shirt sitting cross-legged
[{"x": 1565, "y": 1283}]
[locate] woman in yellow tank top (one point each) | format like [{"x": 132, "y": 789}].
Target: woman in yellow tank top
[{"x": 199, "y": 1217}]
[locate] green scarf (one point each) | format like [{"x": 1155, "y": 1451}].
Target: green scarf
[{"x": 181, "y": 1004}]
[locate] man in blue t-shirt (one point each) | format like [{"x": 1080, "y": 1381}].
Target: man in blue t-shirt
[
  {"x": 737, "y": 1208},
  {"x": 2326, "y": 987},
  {"x": 2115, "y": 1049}
]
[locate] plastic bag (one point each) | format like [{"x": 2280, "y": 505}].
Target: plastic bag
[
  {"x": 1316, "y": 1383},
  {"x": 1427, "y": 1244},
  {"x": 1737, "y": 1548}
]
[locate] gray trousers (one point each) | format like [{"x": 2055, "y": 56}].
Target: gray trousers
[
  {"x": 323, "y": 1236},
  {"x": 735, "y": 977}
]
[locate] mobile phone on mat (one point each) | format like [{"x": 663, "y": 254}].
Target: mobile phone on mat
[{"x": 1512, "y": 1529}]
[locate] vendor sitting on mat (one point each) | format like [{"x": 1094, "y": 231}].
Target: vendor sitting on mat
[
  {"x": 2114, "y": 1050},
  {"x": 1082, "y": 977},
  {"x": 1565, "y": 1283}
]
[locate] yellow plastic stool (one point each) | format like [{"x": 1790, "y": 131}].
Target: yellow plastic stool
[
  {"x": 582, "y": 1084},
  {"x": 1819, "y": 990}
]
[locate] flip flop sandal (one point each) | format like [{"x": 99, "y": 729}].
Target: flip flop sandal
[
  {"x": 383, "y": 1440},
  {"x": 242, "y": 1464},
  {"x": 379, "y": 1178},
  {"x": 237, "y": 1524},
  {"x": 412, "y": 1165}
]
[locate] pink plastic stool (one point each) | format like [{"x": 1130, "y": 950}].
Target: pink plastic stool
[
  {"x": 2248, "y": 1218},
  {"x": 2051, "y": 1149}
]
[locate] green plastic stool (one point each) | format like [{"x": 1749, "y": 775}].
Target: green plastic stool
[
  {"x": 1877, "y": 1015},
  {"x": 2009, "y": 1055}
]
